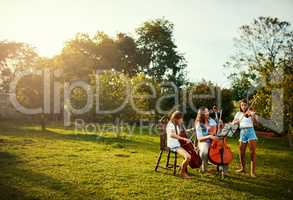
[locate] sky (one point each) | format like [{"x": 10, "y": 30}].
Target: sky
[{"x": 204, "y": 29}]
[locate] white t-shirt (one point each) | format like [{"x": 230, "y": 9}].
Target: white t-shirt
[
  {"x": 172, "y": 142},
  {"x": 245, "y": 122}
]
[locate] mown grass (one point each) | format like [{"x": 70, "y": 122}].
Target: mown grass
[{"x": 62, "y": 164}]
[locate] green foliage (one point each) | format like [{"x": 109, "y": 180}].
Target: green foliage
[
  {"x": 262, "y": 64},
  {"x": 241, "y": 86},
  {"x": 152, "y": 58},
  {"x": 163, "y": 61},
  {"x": 30, "y": 92},
  {"x": 206, "y": 94},
  {"x": 131, "y": 60},
  {"x": 153, "y": 53},
  {"x": 119, "y": 97},
  {"x": 83, "y": 55},
  {"x": 227, "y": 104},
  {"x": 15, "y": 57}
]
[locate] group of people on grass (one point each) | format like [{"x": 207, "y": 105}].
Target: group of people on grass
[{"x": 204, "y": 123}]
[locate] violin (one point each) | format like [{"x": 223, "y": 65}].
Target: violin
[
  {"x": 195, "y": 161},
  {"x": 219, "y": 152},
  {"x": 249, "y": 112}
]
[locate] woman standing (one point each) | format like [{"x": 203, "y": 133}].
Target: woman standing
[
  {"x": 245, "y": 119},
  {"x": 173, "y": 130}
]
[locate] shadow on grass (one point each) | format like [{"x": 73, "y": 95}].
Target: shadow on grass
[
  {"x": 276, "y": 143},
  {"x": 19, "y": 183},
  {"x": 7, "y": 189},
  {"x": 263, "y": 186},
  {"x": 267, "y": 187},
  {"x": 114, "y": 141}
]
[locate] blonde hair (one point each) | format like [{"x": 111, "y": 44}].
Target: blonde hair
[
  {"x": 200, "y": 117},
  {"x": 176, "y": 115}
]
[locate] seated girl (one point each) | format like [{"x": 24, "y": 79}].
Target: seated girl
[
  {"x": 204, "y": 125},
  {"x": 173, "y": 138}
]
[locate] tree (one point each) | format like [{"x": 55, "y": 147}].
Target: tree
[
  {"x": 83, "y": 55},
  {"x": 125, "y": 95},
  {"x": 162, "y": 59},
  {"x": 208, "y": 95},
  {"x": 263, "y": 59},
  {"x": 130, "y": 57},
  {"x": 241, "y": 85},
  {"x": 77, "y": 59},
  {"x": 15, "y": 57}
]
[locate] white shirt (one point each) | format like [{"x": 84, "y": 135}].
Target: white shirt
[
  {"x": 245, "y": 122},
  {"x": 172, "y": 142}
]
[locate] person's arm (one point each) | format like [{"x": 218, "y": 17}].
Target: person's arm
[
  {"x": 200, "y": 136},
  {"x": 204, "y": 138},
  {"x": 173, "y": 135},
  {"x": 212, "y": 130},
  {"x": 236, "y": 119}
]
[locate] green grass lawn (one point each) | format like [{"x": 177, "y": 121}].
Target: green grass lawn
[{"x": 63, "y": 164}]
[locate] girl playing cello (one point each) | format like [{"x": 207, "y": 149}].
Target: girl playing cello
[
  {"x": 204, "y": 125},
  {"x": 173, "y": 138}
]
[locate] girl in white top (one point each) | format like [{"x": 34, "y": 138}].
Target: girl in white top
[
  {"x": 245, "y": 119},
  {"x": 173, "y": 138}
]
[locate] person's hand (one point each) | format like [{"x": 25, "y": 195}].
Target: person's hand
[
  {"x": 212, "y": 137},
  {"x": 187, "y": 140},
  {"x": 213, "y": 130},
  {"x": 250, "y": 113},
  {"x": 221, "y": 123}
]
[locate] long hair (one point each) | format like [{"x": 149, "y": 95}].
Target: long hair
[
  {"x": 176, "y": 115},
  {"x": 200, "y": 118},
  {"x": 242, "y": 101}
]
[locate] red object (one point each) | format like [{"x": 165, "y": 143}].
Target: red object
[
  {"x": 220, "y": 153},
  {"x": 195, "y": 161}
]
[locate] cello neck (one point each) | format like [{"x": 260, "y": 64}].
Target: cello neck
[{"x": 220, "y": 118}]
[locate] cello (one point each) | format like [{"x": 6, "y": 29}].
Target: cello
[
  {"x": 195, "y": 161},
  {"x": 219, "y": 152}
]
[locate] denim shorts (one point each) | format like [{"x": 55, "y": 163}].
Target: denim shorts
[{"x": 247, "y": 134}]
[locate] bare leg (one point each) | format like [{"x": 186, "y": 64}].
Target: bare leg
[
  {"x": 185, "y": 162},
  {"x": 242, "y": 150},
  {"x": 252, "y": 148},
  {"x": 203, "y": 153}
]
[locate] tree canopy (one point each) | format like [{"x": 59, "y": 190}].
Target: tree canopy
[{"x": 262, "y": 65}]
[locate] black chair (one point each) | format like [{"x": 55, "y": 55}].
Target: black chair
[{"x": 164, "y": 148}]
